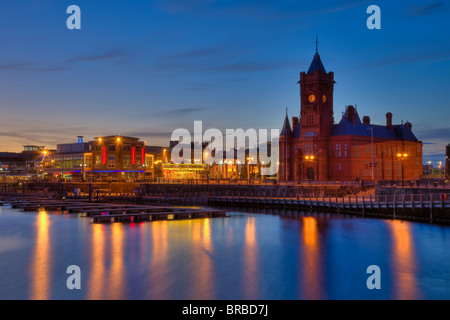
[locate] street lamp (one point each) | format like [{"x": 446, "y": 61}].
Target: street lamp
[
  {"x": 42, "y": 164},
  {"x": 440, "y": 167},
  {"x": 248, "y": 168},
  {"x": 372, "y": 164},
  {"x": 311, "y": 159},
  {"x": 401, "y": 157}
]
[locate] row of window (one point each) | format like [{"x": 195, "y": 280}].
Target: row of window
[
  {"x": 112, "y": 148},
  {"x": 342, "y": 150},
  {"x": 111, "y": 162}
]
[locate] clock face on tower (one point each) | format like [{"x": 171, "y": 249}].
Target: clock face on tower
[
  {"x": 312, "y": 98},
  {"x": 324, "y": 98}
]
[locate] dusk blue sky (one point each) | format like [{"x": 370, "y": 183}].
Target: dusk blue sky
[{"x": 146, "y": 68}]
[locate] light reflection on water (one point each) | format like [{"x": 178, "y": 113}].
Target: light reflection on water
[
  {"x": 311, "y": 260},
  {"x": 403, "y": 261},
  {"x": 41, "y": 262},
  {"x": 245, "y": 256}
]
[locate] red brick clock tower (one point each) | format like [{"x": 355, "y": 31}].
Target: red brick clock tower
[{"x": 316, "y": 119}]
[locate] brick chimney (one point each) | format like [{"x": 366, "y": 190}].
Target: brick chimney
[
  {"x": 366, "y": 120},
  {"x": 351, "y": 114},
  {"x": 409, "y": 125},
  {"x": 389, "y": 120}
]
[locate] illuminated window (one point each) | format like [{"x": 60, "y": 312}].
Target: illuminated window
[
  {"x": 88, "y": 161},
  {"x": 126, "y": 161}
]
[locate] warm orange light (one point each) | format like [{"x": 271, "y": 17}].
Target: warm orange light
[
  {"x": 45, "y": 152},
  {"x": 118, "y": 139},
  {"x": 99, "y": 139},
  {"x": 405, "y": 155},
  {"x": 312, "y": 157},
  {"x": 399, "y": 155}
]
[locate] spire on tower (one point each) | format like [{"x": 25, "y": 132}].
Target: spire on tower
[
  {"x": 286, "y": 130},
  {"x": 317, "y": 44}
]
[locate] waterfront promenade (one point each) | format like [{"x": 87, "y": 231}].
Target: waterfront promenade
[{"x": 417, "y": 205}]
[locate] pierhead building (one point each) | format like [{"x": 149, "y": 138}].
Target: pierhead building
[{"x": 314, "y": 147}]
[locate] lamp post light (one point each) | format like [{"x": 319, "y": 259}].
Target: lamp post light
[
  {"x": 401, "y": 157},
  {"x": 42, "y": 164},
  {"x": 372, "y": 164},
  {"x": 309, "y": 159},
  {"x": 440, "y": 167},
  {"x": 248, "y": 168},
  {"x": 207, "y": 166}
]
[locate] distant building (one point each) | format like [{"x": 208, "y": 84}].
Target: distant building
[
  {"x": 119, "y": 158},
  {"x": 110, "y": 158},
  {"x": 11, "y": 162},
  {"x": 447, "y": 161},
  {"x": 69, "y": 161},
  {"x": 27, "y": 163},
  {"x": 315, "y": 148}
]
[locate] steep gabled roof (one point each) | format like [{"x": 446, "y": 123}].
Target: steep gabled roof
[
  {"x": 286, "y": 130},
  {"x": 316, "y": 64}
]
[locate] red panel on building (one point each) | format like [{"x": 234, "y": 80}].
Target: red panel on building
[{"x": 104, "y": 155}]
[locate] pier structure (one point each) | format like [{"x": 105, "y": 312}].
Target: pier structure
[{"x": 108, "y": 212}]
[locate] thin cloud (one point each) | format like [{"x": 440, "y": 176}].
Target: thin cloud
[
  {"x": 182, "y": 111},
  {"x": 260, "y": 9},
  {"x": 49, "y": 69},
  {"x": 29, "y": 67},
  {"x": 248, "y": 67},
  {"x": 111, "y": 54},
  {"x": 403, "y": 58},
  {"x": 169, "y": 114},
  {"x": 180, "y": 6},
  {"x": 434, "y": 134},
  {"x": 432, "y": 8},
  {"x": 197, "y": 53},
  {"x": 149, "y": 134},
  {"x": 14, "y": 66}
]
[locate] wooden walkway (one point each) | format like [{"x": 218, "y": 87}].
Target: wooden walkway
[
  {"x": 342, "y": 203},
  {"x": 110, "y": 213}
]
